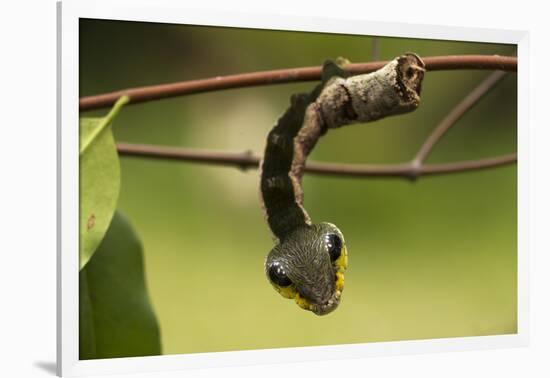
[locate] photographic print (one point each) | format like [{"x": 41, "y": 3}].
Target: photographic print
[{"x": 246, "y": 189}]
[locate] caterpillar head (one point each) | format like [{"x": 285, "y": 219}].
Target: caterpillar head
[{"x": 308, "y": 266}]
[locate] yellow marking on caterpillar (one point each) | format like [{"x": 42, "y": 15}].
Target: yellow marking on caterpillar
[
  {"x": 339, "y": 281},
  {"x": 290, "y": 292},
  {"x": 287, "y": 292},
  {"x": 302, "y": 302},
  {"x": 342, "y": 261},
  {"x": 341, "y": 265}
]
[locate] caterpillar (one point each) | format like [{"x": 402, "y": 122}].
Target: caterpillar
[{"x": 308, "y": 261}]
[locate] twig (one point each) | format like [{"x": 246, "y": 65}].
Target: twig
[
  {"x": 456, "y": 113},
  {"x": 246, "y": 160},
  {"x": 155, "y": 92}
]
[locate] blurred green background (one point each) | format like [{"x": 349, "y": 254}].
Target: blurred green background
[{"x": 429, "y": 259}]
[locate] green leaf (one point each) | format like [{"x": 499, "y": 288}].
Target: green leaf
[
  {"x": 99, "y": 179},
  {"x": 116, "y": 317}
]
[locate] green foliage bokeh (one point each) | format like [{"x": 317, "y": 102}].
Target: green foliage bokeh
[{"x": 429, "y": 259}]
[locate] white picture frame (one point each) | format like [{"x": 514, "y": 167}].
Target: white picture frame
[{"x": 69, "y": 13}]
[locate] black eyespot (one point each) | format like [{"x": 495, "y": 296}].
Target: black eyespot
[
  {"x": 278, "y": 276},
  {"x": 334, "y": 246}
]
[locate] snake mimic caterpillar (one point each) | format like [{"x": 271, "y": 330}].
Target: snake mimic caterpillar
[{"x": 308, "y": 261}]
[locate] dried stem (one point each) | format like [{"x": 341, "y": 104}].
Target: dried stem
[
  {"x": 246, "y": 160},
  {"x": 456, "y": 113},
  {"x": 156, "y": 92}
]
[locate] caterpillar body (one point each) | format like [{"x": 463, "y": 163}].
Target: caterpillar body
[{"x": 308, "y": 261}]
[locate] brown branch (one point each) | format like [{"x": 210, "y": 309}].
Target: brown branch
[
  {"x": 156, "y": 92},
  {"x": 246, "y": 160},
  {"x": 456, "y": 113}
]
